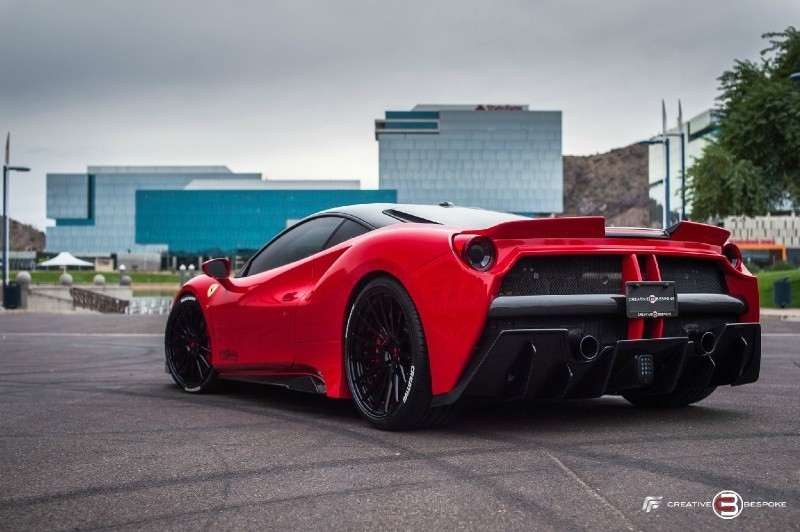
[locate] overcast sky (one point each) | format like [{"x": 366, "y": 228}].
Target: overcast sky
[{"x": 291, "y": 89}]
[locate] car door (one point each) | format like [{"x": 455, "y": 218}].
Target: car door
[
  {"x": 257, "y": 327},
  {"x": 315, "y": 320}
]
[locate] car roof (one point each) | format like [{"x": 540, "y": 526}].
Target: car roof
[{"x": 383, "y": 214}]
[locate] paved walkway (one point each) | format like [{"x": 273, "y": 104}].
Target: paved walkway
[{"x": 786, "y": 314}]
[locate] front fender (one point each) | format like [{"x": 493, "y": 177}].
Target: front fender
[{"x": 202, "y": 287}]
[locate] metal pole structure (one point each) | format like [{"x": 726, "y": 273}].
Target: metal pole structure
[
  {"x": 682, "y": 136},
  {"x": 683, "y": 161},
  {"x": 667, "y": 217},
  {"x": 649, "y": 142},
  {"x": 683, "y": 177},
  {"x": 6, "y": 169},
  {"x": 5, "y": 230},
  {"x": 665, "y": 139}
]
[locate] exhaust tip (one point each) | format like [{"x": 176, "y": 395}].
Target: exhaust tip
[
  {"x": 585, "y": 347},
  {"x": 708, "y": 341}
]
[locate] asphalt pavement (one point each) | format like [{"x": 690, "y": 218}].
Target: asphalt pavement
[{"x": 94, "y": 435}]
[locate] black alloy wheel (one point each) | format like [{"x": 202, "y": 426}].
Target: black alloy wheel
[
  {"x": 386, "y": 360},
  {"x": 187, "y": 347}
]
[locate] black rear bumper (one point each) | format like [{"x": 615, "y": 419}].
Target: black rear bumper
[{"x": 543, "y": 363}]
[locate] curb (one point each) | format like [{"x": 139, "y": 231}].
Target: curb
[{"x": 782, "y": 314}]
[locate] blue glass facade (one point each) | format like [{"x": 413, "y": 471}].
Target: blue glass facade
[
  {"x": 69, "y": 197},
  {"x": 151, "y": 210},
  {"x": 203, "y": 221},
  {"x": 497, "y": 157},
  {"x": 95, "y": 212}
]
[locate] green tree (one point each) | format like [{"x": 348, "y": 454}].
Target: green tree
[
  {"x": 755, "y": 163},
  {"x": 738, "y": 186}
]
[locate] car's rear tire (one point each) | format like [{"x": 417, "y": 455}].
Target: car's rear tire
[
  {"x": 187, "y": 347},
  {"x": 669, "y": 400},
  {"x": 386, "y": 359}
]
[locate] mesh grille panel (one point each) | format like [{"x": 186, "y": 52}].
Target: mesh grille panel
[
  {"x": 601, "y": 274},
  {"x": 692, "y": 276},
  {"x": 564, "y": 275}
]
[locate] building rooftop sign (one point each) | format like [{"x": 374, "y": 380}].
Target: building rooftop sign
[
  {"x": 501, "y": 108},
  {"x": 471, "y": 107}
]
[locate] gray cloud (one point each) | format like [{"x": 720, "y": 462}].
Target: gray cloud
[{"x": 291, "y": 89}]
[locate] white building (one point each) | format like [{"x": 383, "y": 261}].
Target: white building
[{"x": 782, "y": 229}]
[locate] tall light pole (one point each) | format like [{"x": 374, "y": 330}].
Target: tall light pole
[
  {"x": 682, "y": 136},
  {"x": 664, "y": 139},
  {"x": 683, "y": 161},
  {"x": 6, "y": 170},
  {"x": 667, "y": 191},
  {"x": 665, "y": 142}
]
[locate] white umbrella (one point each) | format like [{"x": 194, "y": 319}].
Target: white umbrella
[{"x": 65, "y": 259}]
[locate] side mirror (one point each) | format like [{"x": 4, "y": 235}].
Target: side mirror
[{"x": 219, "y": 269}]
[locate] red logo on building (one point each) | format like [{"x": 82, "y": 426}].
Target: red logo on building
[{"x": 500, "y": 108}]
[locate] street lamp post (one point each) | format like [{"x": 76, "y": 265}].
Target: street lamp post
[
  {"x": 683, "y": 161},
  {"x": 665, "y": 141},
  {"x": 683, "y": 170},
  {"x": 6, "y": 170},
  {"x": 667, "y": 193},
  {"x": 683, "y": 175}
]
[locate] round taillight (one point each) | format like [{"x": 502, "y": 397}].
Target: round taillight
[
  {"x": 733, "y": 254},
  {"x": 479, "y": 253}
]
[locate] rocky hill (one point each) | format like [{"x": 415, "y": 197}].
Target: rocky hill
[
  {"x": 23, "y": 237},
  {"x": 613, "y": 184}
]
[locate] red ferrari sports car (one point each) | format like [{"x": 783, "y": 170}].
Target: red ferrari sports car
[{"x": 408, "y": 309}]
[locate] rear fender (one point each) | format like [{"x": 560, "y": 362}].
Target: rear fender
[{"x": 396, "y": 251}]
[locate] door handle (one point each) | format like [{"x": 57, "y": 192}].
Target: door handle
[{"x": 291, "y": 296}]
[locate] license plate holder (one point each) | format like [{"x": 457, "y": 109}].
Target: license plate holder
[{"x": 651, "y": 299}]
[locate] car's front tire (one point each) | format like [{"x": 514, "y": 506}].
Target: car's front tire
[
  {"x": 187, "y": 347},
  {"x": 386, "y": 359}
]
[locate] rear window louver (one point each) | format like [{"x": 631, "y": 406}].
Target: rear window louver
[{"x": 408, "y": 218}]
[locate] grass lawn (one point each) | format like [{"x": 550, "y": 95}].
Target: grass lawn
[
  {"x": 766, "y": 288},
  {"x": 87, "y": 277}
]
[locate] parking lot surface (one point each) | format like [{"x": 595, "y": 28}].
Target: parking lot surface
[{"x": 94, "y": 435}]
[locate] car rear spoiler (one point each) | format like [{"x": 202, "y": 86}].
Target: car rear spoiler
[
  {"x": 695, "y": 232},
  {"x": 595, "y": 227}
]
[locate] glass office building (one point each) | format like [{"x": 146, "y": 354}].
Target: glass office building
[
  {"x": 227, "y": 221},
  {"x": 153, "y": 210},
  {"x": 503, "y": 157},
  {"x": 95, "y": 212}
]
